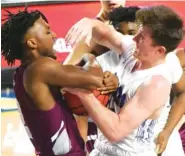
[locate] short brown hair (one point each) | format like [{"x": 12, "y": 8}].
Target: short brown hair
[{"x": 166, "y": 26}]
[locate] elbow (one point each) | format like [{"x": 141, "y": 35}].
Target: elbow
[
  {"x": 114, "y": 139},
  {"x": 99, "y": 32},
  {"x": 114, "y": 136},
  {"x": 114, "y": 133}
]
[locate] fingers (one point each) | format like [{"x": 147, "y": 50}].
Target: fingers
[
  {"x": 78, "y": 32},
  {"x": 160, "y": 144},
  {"x": 62, "y": 91},
  {"x": 106, "y": 74},
  {"x": 110, "y": 79},
  {"x": 107, "y": 89},
  {"x": 74, "y": 37},
  {"x": 157, "y": 149},
  {"x": 73, "y": 34},
  {"x": 89, "y": 58},
  {"x": 71, "y": 90},
  {"x": 161, "y": 147},
  {"x": 69, "y": 34},
  {"x": 111, "y": 83}
]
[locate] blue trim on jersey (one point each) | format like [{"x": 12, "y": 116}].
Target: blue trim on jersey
[{"x": 145, "y": 131}]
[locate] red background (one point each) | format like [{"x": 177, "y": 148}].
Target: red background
[{"x": 62, "y": 16}]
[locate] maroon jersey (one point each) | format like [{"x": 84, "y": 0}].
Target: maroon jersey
[
  {"x": 182, "y": 134},
  {"x": 53, "y": 132}
]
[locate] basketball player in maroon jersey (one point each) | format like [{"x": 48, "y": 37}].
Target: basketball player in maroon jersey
[{"x": 26, "y": 36}]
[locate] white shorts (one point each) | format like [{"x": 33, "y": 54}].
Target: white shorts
[
  {"x": 101, "y": 149},
  {"x": 174, "y": 148},
  {"x": 95, "y": 152}
]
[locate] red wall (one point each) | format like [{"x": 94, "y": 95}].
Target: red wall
[{"x": 62, "y": 16}]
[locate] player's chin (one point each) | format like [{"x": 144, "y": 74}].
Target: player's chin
[
  {"x": 53, "y": 55},
  {"x": 136, "y": 54}
]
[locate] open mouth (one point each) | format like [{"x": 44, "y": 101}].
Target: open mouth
[
  {"x": 136, "y": 51},
  {"x": 54, "y": 40}
]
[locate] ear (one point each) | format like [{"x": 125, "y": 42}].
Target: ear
[
  {"x": 162, "y": 50},
  {"x": 31, "y": 43}
]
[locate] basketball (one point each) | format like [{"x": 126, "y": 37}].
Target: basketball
[{"x": 77, "y": 107}]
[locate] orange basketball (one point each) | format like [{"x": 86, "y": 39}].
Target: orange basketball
[{"x": 77, "y": 107}]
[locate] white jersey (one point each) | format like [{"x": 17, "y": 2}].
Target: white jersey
[{"x": 141, "y": 141}]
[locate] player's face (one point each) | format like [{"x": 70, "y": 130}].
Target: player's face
[
  {"x": 43, "y": 38},
  {"x": 146, "y": 50},
  {"x": 109, "y": 5},
  {"x": 128, "y": 28}
]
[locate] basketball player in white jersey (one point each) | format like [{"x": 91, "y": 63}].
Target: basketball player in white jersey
[
  {"x": 177, "y": 111},
  {"x": 142, "y": 110},
  {"x": 121, "y": 21}
]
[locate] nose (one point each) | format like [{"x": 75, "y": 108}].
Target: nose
[
  {"x": 54, "y": 34},
  {"x": 135, "y": 38}
]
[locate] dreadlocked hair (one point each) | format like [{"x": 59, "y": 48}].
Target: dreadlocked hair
[
  {"x": 123, "y": 14},
  {"x": 13, "y": 31}
]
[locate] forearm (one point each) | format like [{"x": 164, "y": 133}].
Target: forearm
[
  {"x": 104, "y": 35},
  {"x": 78, "y": 51},
  {"x": 86, "y": 80},
  {"x": 176, "y": 113},
  {"x": 72, "y": 76},
  {"x": 106, "y": 120},
  {"x": 82, "y": 123}
]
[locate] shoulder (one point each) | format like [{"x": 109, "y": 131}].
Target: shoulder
[
  {"x": 175, "y": 66},
  {"x": 154, "y": 91},
  {"x": 156, "y": 83},
  {"x": 177, "y": 55},
  {"x": 41, "y": 66},
  {"x": 180, "y": 53}
]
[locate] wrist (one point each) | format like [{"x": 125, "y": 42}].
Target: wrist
[
  {"x": 168, "y": 131},
  {"x": 85, "y": 97}
]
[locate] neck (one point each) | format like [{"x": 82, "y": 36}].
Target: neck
[
  {"x": 28, "y": 58},
  {"x": 103, "y": 16}
]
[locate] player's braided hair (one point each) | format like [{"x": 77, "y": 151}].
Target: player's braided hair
[{"x": 13, "y": 31}]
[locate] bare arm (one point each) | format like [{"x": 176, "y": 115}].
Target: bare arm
[
  {"x": 78, "y": 51},
  {"x": 181, "y": 56},
  {"x": 81, "y": 47},
  {"x": 178, "y": 106},
  {"x": 50, "y": 72},
  {"x": 106, "y": 36},
  {"x": 113, "y": 125},
  {"x": 95, "y": 32}
]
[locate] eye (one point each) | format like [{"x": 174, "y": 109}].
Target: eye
[
  {"x": 142, "y": 37},
  {"x": 131, "y": 33},
  {"x": 48, "y": 32}
]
